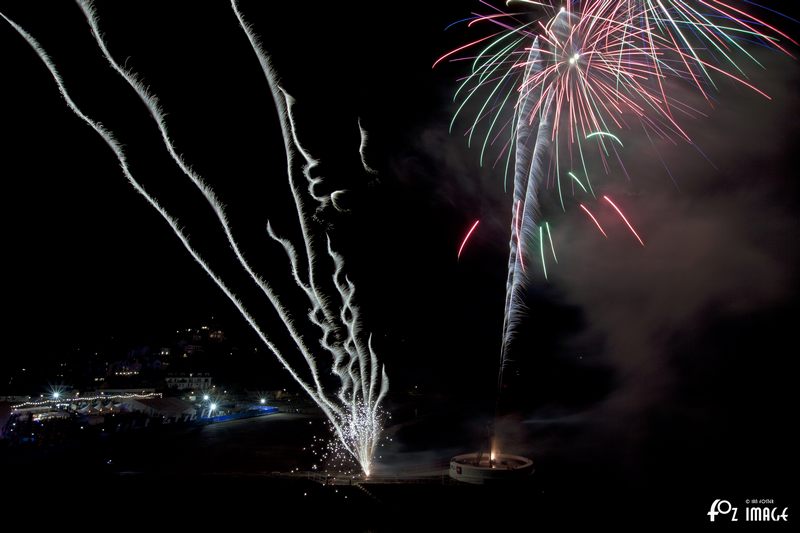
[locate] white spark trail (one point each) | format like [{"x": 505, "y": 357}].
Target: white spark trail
[
  {"x": 112, "y": 143},
  {"x": 363, "y": 147},
  {"x": 532, "y": 146},
  {"x": 283, "y": 103},
  {"x": 363, "y": 384},
  {"x": 350, "y": 353},
  {"x": 320, "y": 302},
  {"x": 158, "y": 117}
]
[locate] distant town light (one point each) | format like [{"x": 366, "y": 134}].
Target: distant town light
[{"x": 205, "y": 397}]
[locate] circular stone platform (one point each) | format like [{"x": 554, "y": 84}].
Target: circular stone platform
[{"x": 470, "y": 468}]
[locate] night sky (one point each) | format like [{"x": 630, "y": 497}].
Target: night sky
[{"x": 681, "y": 353}]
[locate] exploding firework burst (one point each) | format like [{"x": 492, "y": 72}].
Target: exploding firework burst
[
  {"x": 550, "y": 82},
  {"x": 595, "y": 67}
]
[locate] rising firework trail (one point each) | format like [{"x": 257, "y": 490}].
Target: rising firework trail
[
  {"x": 354, "y": 406},
  {"x": 552, "y": 82}
]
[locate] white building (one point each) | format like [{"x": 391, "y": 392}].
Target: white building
[{"x": 190, "y": 382}]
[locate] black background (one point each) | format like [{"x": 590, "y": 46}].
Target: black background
[{"x": 86, "y": 258}]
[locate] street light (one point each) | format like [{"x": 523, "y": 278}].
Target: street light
[{"x": 205, "y": 397}]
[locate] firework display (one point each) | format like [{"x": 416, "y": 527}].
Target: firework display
[
  {"x": 556, "y": 86},
  {"x": 353, "y": 406}
]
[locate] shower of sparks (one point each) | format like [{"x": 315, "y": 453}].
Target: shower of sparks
[{"x": 353, "y": 407}]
